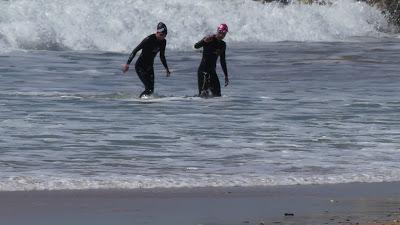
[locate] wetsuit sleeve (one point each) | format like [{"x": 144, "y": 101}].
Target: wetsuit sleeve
[
  {"x": 199, "y": 44},
  {"x": 162, "y": 55},
  {"x": 138, "y": 48},
  {"x": 223, "y": 61}
]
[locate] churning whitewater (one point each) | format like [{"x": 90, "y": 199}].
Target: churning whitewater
[{"x": 116, "y": 25}]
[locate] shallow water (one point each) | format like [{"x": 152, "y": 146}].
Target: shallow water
[{"x": 294, "y": 113}]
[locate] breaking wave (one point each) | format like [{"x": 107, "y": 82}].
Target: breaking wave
[{"x": 119, "y": 25}]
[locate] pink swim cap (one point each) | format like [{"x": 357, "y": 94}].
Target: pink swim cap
[{"x": 222, "y": 28}]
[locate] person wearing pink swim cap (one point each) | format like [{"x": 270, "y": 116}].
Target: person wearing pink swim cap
[
  {"x": 222, "y": 28},
  {"x": 213, "y": 47}
]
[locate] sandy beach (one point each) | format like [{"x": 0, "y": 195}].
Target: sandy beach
[{"x": 355, "y": 203}]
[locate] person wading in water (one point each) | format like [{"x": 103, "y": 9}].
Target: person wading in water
[
  {"x": 144, "y": 66},
  {"x": 213, "y": 46}
]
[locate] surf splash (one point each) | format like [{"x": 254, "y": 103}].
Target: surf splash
[{"x": 121, "y": 24}]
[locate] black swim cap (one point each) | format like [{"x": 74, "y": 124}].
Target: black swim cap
[{"x": 162, "y": 28}]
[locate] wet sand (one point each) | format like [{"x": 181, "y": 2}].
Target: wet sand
[{"x": 355, "y": 203}]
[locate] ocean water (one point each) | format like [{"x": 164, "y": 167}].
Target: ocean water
[{"x": 313, "y": 98}]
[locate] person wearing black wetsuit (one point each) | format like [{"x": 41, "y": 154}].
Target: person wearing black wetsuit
[
  {"x": 150, "y": 46},
  {"x": 213, "y": 46}
]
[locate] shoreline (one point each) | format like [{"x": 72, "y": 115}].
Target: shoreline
[{"x": 351, "y": 203}]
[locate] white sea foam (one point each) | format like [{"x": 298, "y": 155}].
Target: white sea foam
[
  {"x": 120, "y": 25},
  {"x": 51, "y": 182}
]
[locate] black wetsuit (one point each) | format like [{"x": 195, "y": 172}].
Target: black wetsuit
[
  {"x": 207, "y": 76},
  {"x": 150, "y": 46}
]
